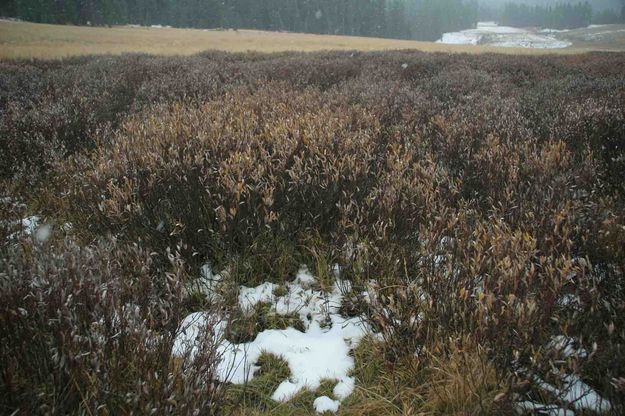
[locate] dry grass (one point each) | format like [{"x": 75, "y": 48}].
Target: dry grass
[
  {"x": 463, "y": 381},
  {"x": 33, "y": 40}
]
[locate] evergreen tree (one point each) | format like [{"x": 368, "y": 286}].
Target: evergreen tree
[{"x": 562, "y": 16}]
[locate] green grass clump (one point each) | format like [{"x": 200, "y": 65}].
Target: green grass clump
[
  {"x": 254, "y": 398},
  {"x": 256, "y": 394},
  {"x": 269, "y": 258},
  {"x": 244, "y": 326}
]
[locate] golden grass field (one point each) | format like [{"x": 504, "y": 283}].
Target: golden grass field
[{"x": 33, "y": 40}]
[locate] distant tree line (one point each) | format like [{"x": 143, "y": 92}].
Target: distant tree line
[
  {"x": 429, "y": 19},
  {"x": 608, "y": 16},
  {"x": 561, "y": 16},
  {"x": 404, "y": 19}
]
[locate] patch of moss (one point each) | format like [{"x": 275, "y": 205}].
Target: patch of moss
[{"x": 280, "y": 291}]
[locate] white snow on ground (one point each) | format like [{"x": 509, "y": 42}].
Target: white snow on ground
[
  {"x": 30, "y": 224},
  {"x": 207, "y": 284},
  {"x": 540, "y": 409},
  {"x": 570, "y": 300},
  {"x": 491, "y": 34},
  {"x": 566, "y": 346},
  {"x": 321, "y": 352},
  {"x": 578, "y": 394},
  {"x": 547, "y": 30},
  {"x": 344, "y": 388},
  {"x": 572, "y": 391},
  {"x": 250, "y": 296},
  {"x": 326, "y": 404}
]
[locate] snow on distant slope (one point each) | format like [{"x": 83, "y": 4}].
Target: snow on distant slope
[
  {"x": 603, "y": 34},
  {"x": 491, "y": 34}
]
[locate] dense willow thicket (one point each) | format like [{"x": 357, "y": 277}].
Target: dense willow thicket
[{"x": 478, "y": 199}]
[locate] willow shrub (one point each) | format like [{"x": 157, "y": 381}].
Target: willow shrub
[{"x": 483, "y": 194}]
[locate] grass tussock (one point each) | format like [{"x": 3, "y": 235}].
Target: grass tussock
[
  {"x": 463, "y": 380},
  {"x": 475, "y": 204}
]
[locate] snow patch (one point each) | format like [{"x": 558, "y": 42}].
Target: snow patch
[
  {"x": 554, "y": 30},
  {"x": 570, "y": 391},
  {"x": 569, "y": 300},
  {"x": 491, "y": 34},
  {"x": 326, "y": 404},
  {"x": 207, "y": 284},
  {"x": 582, "y": 396},
  {"x": 576, "y": 393},
  {"x": 304, "y": 278},
  {"x": 250, "y": 296},
  {"x": 30, "y": 224},
  {"x": 321, "y": 352},
  {"x": 566, "y": 346},
  {"x": 344, "y": 388},
  {"x": 541, "y": 409}
]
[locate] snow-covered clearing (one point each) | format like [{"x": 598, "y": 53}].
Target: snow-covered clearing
[
  {"x": 322, "y": 352},
  {"x": 491, "y": 34}
]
